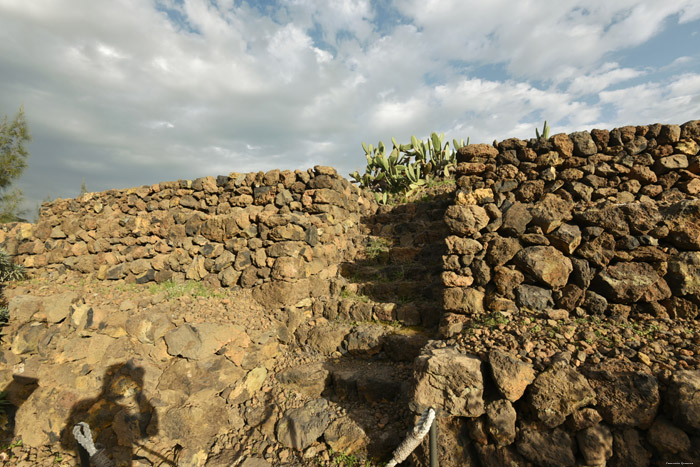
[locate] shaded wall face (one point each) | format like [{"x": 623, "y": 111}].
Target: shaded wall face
[{"x": 242, "y": 230}]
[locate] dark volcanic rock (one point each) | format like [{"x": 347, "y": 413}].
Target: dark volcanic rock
[
  {"x": 546, "y": 448},
  {"x": 627, "y": 394},
  {"x": 557, "y": 393}
]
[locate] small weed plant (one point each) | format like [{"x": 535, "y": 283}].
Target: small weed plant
[
  {"x": 377, "y": 247},
  {"x": 194, "y": 289},
  {"x": 349, "y": 294},
  {"x": 340, "y": 459}
]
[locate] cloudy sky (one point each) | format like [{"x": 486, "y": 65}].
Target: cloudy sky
[{"x": 124, "y": 93}]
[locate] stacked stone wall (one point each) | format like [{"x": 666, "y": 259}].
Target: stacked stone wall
[
  {"x": 601, "y": 223},
  {"x": 281, "y": 232},
  {"x": 606, "y": 222}
]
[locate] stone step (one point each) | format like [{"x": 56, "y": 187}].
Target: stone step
[{"x": 373, "y": 397}]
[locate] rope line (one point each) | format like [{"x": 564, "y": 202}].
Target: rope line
[
  {"x": 414, "y": 438},
  {"x": 83, "y": 435}
]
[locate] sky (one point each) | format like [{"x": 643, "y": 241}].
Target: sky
[{"x": 124, "y": 93}]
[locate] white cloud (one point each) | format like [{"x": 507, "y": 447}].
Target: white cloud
[
  {"x": 227, "y": 88},
  {"x": 606, "y": 76},
  {"x": 657, "y": 102},
  {"x": 535, "y": 40}
]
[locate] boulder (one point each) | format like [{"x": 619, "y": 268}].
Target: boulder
[
  {"x": 684, "y": 273},
  {"x": 667, "y": 438},
  {"x": 466, "y": 220},
  {"x": 59, "y": 307},
  {"x": 310, "y": 379},
  {"x": 365, "y": 340},
  {"x": 501, "y": 250},
  {"x": 583, "y": 144},
  {"x": 449, "y": 381},
  {"x": 611, "y": 218},
  {"x": 598, "y": 251},
  {"x": 533, "y": 297},
  {"x": 683, "y": 400},
  {"x": 683, "y": 221},
  {"x": 595, "y": 444},
  {"x": 566, "y": 238},
  {"x": 192, "y": 424},
  {"x": 515, "y": 219},
  {"x": 345, "y": 435},
  {"x": 327, "y": 338},
  {"x": 299, "y": 428},
  {"x": 626, "y": 393},
  {"x": 470, "y": 151},
  {"x": 551, "y": 211},
  {"x": 628, "y": 282},
  {"x": 494, "y": 456},
  {"x": 557, "y": 393},
  {"x": 22, "y": 307},
  {"x": 464, "y": 300},
  {"x": 501, "y": 417},
  {"x": 511, "y": 375},
  {"x": 199, "y": 341},
  {"x": 628, "y": 449},
  {"x": 546, "y": 264},
  {"x": 546, "y": 448},
  {"x": 205, "y": 378}
]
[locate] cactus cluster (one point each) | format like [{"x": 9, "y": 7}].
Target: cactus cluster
[
  {"x": 9, "y": 271},
  {"x": 408, "y": 166}
]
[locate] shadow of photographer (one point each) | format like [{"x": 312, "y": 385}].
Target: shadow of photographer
[
  {"x": 119, "y": 417},
  {"x": 11, "y": 399}
]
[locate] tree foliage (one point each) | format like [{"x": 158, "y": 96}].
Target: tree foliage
[{"x": 14, "y": 136}]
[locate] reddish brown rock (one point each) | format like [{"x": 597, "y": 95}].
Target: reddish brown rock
[
  {"x": 449, "y": 380},
  {"x": 469, "y": 152},
  {"x": 683, "y": 400},
  {"x": 511, "y": 375},
  {"x": 683, "y": 221},
  {"x": 557, "y": 393},
  {"x": 598, "y": 251},
  {"x": 466, "y": 220},
  {"x": 667, "y": 438},
  {"x": 501, "y": 250},
  {"x": 563, "y": 144},
  {"x": 596, "y": 444},
  {"x": 546, "y": 264},
  {"x": 551, "y": 211},
  {"x": 630, "y": 282},
  {"x": 546, "y": 448},
  {"x": 626, "y": 393},
  {"x": 515, "y": 219}
]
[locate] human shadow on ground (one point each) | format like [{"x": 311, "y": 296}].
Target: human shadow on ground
[
  {"x": 119, "y": 417},
  {"x": 11, "y": 399}
]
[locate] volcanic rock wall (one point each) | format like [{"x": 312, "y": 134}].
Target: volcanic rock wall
[
  {"x": 590, "y": 223},
  {"x": 603, "y": 223},
  {"x": 281, "y": 232}
]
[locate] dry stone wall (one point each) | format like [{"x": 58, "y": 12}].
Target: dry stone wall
[
  {"x": 602, "y": 223},
  {"x": 587, "y": 223},
  {"x": 281, "y": 232}
]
